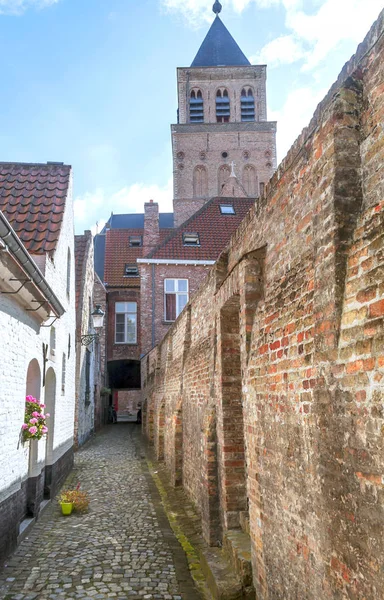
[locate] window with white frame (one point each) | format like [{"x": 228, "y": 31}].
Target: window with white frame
[
  {"x": 126, "y": 323},
  {"x": 176, "y": 297}
]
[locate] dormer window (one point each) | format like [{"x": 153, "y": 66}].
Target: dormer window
[
  {"x": 196, "y": 107},
  {"x": 191, "y": 239},
  {"x": 131, "y": 271},
  {"x": 135, "y": 241},
  {"x": 227, "y": 209},
  {"x": 247, "y": 105},
  {"x": 223, "y": 110}
]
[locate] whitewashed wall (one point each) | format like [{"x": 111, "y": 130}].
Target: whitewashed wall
[{"x": 21, "y": 340}]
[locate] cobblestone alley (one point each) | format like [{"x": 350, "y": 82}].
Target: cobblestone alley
[{"x": 123, "y": 548}]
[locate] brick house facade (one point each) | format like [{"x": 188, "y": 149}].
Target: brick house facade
[
  {"x": 205, "y": 149},
  {"x": 37, "y": 322}
]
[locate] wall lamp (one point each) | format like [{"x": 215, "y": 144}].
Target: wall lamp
[{"x": 98, "y": 321}]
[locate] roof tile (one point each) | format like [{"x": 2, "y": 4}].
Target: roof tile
[
  {"x": 214, "y": 229},
  {"x": 33, "y": 197}
]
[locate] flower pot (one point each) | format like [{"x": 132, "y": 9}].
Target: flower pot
[{"x": 66, "y": 507}]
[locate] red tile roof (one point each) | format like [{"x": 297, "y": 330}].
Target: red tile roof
[
  {"x": 33, "y": 197},
  {"x": 118, "y": 253},
  {"x": 214, "y": 229}
]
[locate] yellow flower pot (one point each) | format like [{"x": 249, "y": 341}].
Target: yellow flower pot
[{"x": 66, "y": 507}]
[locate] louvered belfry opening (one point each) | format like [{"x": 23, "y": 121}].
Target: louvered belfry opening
[
  {"x": 247, "y": 105},
  {"x": 223, "y": 109},
  {"x": 196, "y": 107}
]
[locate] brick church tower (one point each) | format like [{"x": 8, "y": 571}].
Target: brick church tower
[{"x": 222, "y": 119}]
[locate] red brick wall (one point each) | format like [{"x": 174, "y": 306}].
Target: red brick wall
[
  {"x": 122, "y": 351},
  {"x": 195, "y": 275},
  {"x": 295, "y": 309}
]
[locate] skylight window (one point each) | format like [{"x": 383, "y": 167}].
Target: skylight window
[
  {"x": 135, "y": 241},
  {"x": 131, "y": 271},
  {"x": 227, "y": 209},
  {"x": 191, "y": 239}
]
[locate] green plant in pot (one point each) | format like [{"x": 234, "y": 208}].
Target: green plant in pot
[{"x": 73, "y": 500}]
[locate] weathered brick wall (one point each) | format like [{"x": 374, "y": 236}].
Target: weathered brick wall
[
  {"x": 102, "y": 401},
  {"x": 274, "y": 373},
  {"x": 85, "y": 398}
]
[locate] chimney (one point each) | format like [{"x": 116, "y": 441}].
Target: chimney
[{"x": 151, "y": 227}]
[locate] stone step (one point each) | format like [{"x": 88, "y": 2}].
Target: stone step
[
  {"x": 222, "y": 582},
  {"x": 237, "y": 545}
]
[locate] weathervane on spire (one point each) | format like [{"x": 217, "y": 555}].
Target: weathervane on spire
[{"x": 217, "y": 7}]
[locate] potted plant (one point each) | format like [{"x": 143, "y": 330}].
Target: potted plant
[
  {"x": 65, "y": 501},
  {"x": 73, "y": 500}
]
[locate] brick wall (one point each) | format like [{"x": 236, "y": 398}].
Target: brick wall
[
  {"x": 211, "y": 146},
  {"x": 152, "y": 276},
  {"x": 268, "y": 390},
  {"x": 102, "y": 401},
  {"x": 85, "y": 398}
]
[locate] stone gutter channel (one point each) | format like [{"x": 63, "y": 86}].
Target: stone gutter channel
[{"x": 212, "y": 569}]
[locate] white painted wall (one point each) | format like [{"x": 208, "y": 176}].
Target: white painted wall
[{"x": 21, "y": 341}]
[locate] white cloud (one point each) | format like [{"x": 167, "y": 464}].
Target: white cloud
[
  {"x": 294, "y": 115},
  {"x": 96, "y": 207},
  {"x": 313, "y": 36},
  {"x": 285, "y": 49},
  {"x": 18, "y": 7}
]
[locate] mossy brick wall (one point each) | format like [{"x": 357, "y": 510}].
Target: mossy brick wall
[{"x": 294, "y": 309}]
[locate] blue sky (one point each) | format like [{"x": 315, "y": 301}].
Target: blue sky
[{"x": 93, "y": 82}]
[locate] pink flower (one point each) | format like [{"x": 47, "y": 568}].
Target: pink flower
[
  {"x": 24, "y": 426},
  {"x": 44, "y": 429},
  {"x": 47, "y": 415},
  {"x": 33, "y": 421},
  {"x": 30, "y": 399},
  {"x": 42, "y": 405},
  {"x": 32, "y": 430},
  {"x": 35, "y": 414}
]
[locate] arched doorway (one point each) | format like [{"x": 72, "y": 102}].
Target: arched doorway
[
  {"x": 33, "y": 379},
  {"x": 33, "y": 388},
  {"x": 49, "y": 401}
]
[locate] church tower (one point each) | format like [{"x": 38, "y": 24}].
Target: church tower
[{"x": 222, "y": 119}]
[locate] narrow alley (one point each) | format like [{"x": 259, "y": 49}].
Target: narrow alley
[{"x": 122, "y": 548}]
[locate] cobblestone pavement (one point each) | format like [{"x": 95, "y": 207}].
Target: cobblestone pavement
[{"x": 123, "y": 548}]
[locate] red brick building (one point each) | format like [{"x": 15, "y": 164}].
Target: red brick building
[{"x": 153, "y": 263}]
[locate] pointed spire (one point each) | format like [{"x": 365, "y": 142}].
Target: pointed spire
[
  {"x": 217, "y": 7},
  {"x": 219, "y": 49}
]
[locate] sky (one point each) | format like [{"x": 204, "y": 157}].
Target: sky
[{"x": 92, "y": 83}]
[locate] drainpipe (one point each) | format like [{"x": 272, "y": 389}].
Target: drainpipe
[{"x": 153, "y": 305}]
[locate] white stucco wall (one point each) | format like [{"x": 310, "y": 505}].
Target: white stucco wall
[{"x": 21, "y": 341}]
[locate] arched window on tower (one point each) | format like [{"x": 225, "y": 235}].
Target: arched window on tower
[
  {"x": 223, "y": 109},
  {"x": 247, "y": 105},
  {"x": 250, "y": 181},
  {"x": 196, "y": 107},
  {"x": 224, "y": 174},
  {"x": 200, "y": 182}
]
